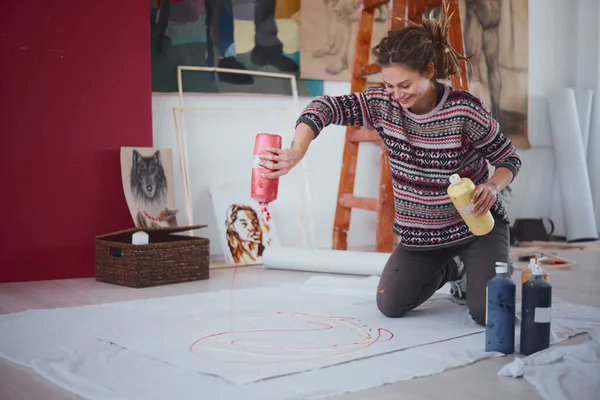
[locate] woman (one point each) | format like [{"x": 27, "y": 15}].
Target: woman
[{"x": 431, "y": 131}]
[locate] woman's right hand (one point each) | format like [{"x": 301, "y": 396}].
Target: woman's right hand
[{"x": 281, "y": 162}]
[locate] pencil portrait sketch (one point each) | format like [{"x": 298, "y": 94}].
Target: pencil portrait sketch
[
  {"x": 328, "y": 31},
  {"x": 496, "y": 36}
]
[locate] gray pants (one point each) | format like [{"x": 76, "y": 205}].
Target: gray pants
[{"x": 411, "y": 277}]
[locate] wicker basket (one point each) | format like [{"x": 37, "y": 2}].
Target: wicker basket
[{"x": 167, "y": 259}]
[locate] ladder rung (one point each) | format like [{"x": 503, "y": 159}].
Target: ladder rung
[
  {"x": 373, "y": 4},
  {"x": 369, "y": 69},
  {"x": 350, "y": 201},
  {"x": 363, "y": 135}
]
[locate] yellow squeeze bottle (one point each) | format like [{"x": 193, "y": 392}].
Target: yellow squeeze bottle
[{"x": 460, "y": 192}]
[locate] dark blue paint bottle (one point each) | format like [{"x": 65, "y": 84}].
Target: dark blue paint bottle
[
  {"x": 500, "y": 312},
  {"x": 536, "y": 309}
]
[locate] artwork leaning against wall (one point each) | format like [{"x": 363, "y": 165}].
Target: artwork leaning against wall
[
  {"x": 147, "y": 175},
  {"x": 244, "y": 231}
]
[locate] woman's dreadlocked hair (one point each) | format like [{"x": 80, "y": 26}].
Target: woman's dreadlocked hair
[{"x": 417, "y": 45}]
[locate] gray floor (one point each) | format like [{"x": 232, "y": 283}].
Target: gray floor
[{"x": 579, "y": 284}]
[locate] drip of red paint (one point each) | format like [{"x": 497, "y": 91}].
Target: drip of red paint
[{"x": 264, "y": 209}]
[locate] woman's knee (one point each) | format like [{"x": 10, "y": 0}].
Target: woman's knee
[{"x": 390, "y": 307}]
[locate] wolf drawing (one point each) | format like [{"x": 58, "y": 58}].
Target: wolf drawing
[{"x": 148, "y": 184}]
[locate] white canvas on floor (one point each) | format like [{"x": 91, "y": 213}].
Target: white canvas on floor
[
  {"x": 62, "y": 345},
  {"x": 254, "y": 334}
]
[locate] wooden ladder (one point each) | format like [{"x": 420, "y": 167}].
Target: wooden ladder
[{"x": 384, "y": 204}]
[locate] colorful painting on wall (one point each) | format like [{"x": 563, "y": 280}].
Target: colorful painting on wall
[{"x": 257, "y": 35}]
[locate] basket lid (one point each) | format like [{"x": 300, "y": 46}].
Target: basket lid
[{"x": 170, "y": 229}]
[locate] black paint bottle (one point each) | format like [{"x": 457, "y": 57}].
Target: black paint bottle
[{"x": 536, "y": 310}]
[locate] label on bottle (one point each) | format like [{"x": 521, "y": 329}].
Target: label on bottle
[
  {"x": 464, "y": 210},
  {"x": 542, "y": 315},
  {"x": 256, "y": 160}
]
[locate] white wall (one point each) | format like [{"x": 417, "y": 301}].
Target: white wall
[{"x": 220, "y": 142}]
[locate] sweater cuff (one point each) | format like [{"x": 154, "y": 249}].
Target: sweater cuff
[
  {"x": 510, "y": 167},
  {"x": 310, "y": 123}
]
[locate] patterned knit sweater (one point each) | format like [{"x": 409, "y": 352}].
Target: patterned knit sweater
[{"x": 457, "y": 136}]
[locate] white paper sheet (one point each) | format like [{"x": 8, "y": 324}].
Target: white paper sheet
[
  {"x": 585, "y": 100},
  {"x": 60, "y": 345}
]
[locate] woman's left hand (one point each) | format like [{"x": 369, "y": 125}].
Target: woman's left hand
[{"x": 484, "y": 197}]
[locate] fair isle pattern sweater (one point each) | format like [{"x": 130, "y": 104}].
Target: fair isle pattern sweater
[{"x": 457, "y": 136}]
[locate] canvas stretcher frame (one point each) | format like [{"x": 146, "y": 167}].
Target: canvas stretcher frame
[{"x": 182, "y": 143}]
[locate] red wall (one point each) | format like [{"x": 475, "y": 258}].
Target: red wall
[{"x": 74, "y": 88}]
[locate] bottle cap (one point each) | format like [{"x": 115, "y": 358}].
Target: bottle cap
[
  {"x": 501, "y": 267},
  {"x": 537, "y": 271},
  {"x": 455, "y": 179}
]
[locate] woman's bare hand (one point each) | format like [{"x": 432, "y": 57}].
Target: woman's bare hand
[
  {"x": 281, "y": 161},
  {"x": 484, "y": 197}
]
